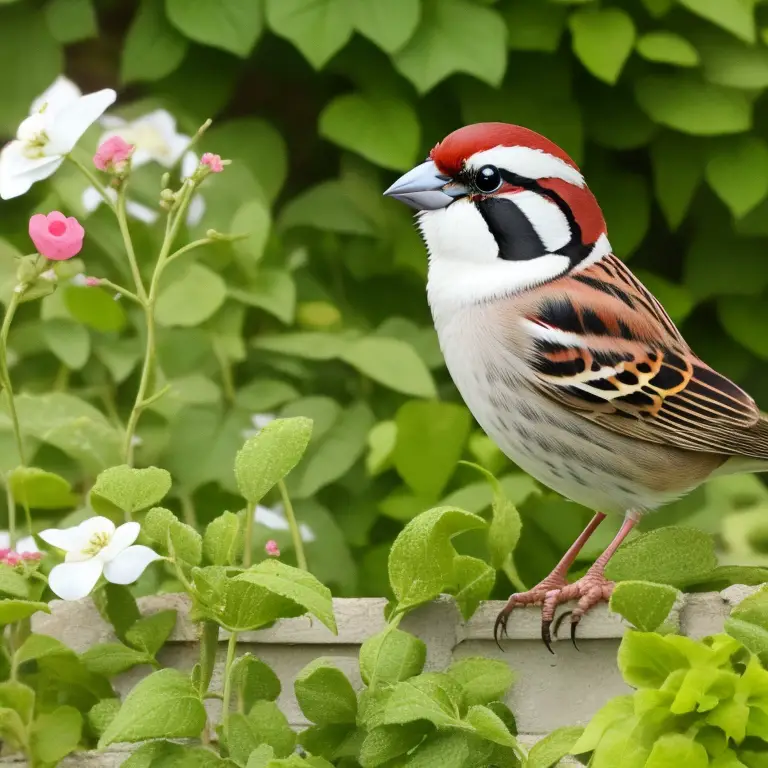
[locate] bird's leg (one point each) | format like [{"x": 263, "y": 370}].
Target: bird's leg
[{"x": 552, "y": 583}]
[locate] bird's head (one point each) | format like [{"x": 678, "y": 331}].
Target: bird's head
[{"x": 501, "y": 209}]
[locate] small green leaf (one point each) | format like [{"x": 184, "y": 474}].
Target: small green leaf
[
  {"x": 389, "y": 26},
  {"x": 120, "y": 607},
  {"x": 647, "y": 659},
  {"x": 473, "y": 580},
  {"x": 261, "y": 757},
  {"x": 149, "y": 633},
  {"x": 71, "y": 21},
  {"x": 253, "y": 680},
  {"x": 326, "y": 206},
  {"x": 153, "y": 48},
  {"x": 38, "y": 647},
  {"x": 674, "y": 555},
  {"x": 101, "y": 714},
  {"x": 220, "y": 539},
  {"x": 534, "y": 26},
  {"x": 617, "y": 709},
  {"x": 16, "y": 610},
  {"x": 251, "y": 218},
  {"x": 132, "y": 489},
  {"x": 733, "y": 15},
  {"x": 185, "y": 542},
  {"x": 748, "y": 623},
  {"x": 667, "y": 48},
  {"x": 191, "y": 299},
  {"x": 674, "y": 749},
  {"x": 13, "y": 583},
  {"x": 18, "y": 697},
  {"x": 381, "y": 128},
  {"x": 165, "y": 704},
  {"x": 325, "y": 695},
  {"x": 421, "y": 560},
  {"x": 40, "y": 489},
  {"x": 483, "y": 680},
  {"x": 644, "y": 604},
  {"x": 95, "y": 308},
  {"x": 55, "y": 734},
  {"x": 737, "y": 171},
  {"x": 548, "y": 752},
  {"x": 264, "y": 724},
  {"x": 678, "y": 168},
  {"x": 390, "y": 741},
  {"x": 110, "y": 659},
  {"x": 490, "y": 726},
  {"x": 444, "y": 749},
  {"x": 232, "y": 25},
  {"x": 391, "y": 656},
  {"x": 426, "y": 697},
  {"x": 603, "y": 40},
  {"x": 69, "y": 341},
  {"x": 381, "y": 444}
]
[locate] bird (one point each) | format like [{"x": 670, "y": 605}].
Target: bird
[{"x": 564, "y": 358}]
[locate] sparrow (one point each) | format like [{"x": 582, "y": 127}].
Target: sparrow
[{"x": 562, "y": 355}]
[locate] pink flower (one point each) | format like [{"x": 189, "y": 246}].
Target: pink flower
[
  {"x": 55, "y": 236},
  {"x": 31, "y": 555},
  {"x": 213, "y": 162},
  {"x": 12, "y": 558},
  {"x": 92, "y": 282},
  {"x": 4, "y": 553},
  {"x": 112, "y": 154},
  {"x": 272, "y": 549}
]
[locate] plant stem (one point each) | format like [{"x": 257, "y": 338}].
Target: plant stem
[
  {"x": 119, "y": 289},
  {"x": 248, "y": 545},
  {"x": 6, "y": 377},
  {"x": 188, "y": 509},
  {"x": 91, "y": 176},
  {"x": 290, "y": 516},
  {"x": 122, "y": 220},
  {"x": 11, "y": 513},
  {"x": 231, "y": 645}
]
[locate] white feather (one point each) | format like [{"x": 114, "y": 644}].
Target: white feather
[
  {"x": 600, "y": 249},
  {"x": 528, "y": 162},
  {"x": 547, "y": 220}
]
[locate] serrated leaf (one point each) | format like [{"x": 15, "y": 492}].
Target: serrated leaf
[
  {"x": 667, "y": 48},
  {"x": 737, "y": 171},
  {"x": 644, "y": 604},
  {"x": 603, "y": 40},
  {"x": 325, "y": 695},
  {"x": 153, "y": 48},
  {"x": 39, "y": 489},
  {"x": 132, "y": 489}
]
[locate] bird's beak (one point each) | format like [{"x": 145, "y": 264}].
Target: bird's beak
[{"x": 425, "y": 188}]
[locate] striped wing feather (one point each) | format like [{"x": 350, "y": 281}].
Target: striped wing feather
[{"x": 604, "y": 347}]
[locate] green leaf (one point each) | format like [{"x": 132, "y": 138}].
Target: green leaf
[
  {"x": 157, "y": 525},
  {"x": 381, "y": 445},
  {"x": 153, "y": 48},
  {"x": 534, "y": 26},
  {"x": 232, "y": 25},
  {"x": 71, "y": 21},
  {"x": 38, "y": 647},
  {"x": 165, "y": 704},
  {"x": 13, "y": 583},
  {"x": 296, "y": 585},
  {"x": 735, "y": 16},
  {"x": 674, "y": 555},
  {"x": 678, "y": 167},
  {"x": 110, "y": 659},
  {"x": 473, "y": 581},
  {"x": 270, "y": 455},
  {"x": 325, "y": 695},
  {"x": 149, "y": 633},
  {"x": 426, "y": 697},
  {"x": 448, "y": 750},
  {"x": 454, "y": 36},
  {"x": 647, "y": 659},
  {"x": 191, "y": 299},
  {"x": 101, "y": 714},
  {"x": 667, "y": 48},
  {"x": 644, "y": 604},
  {"x": 272, "y": 290},
  {"x": 55, "y": 734},
  {"x": 388, "y": 25},
  {"x": 261, "y": 757},
  {"x": 381, "y": 128},
  {"x": 120, "y": 607},
  {"x": 730, "y": 62},
  {"x": 430, "y": 440},
  {"x": 548, "y": 752},
  {"x": 308, "y": 346},
  {"x": 391, "y": 362},
  {"x": 603, "y": 40},
  {"x": 748, "y": 623},
  {"x": 95, "y": 308},
  {"x": 252, "y": 217},
  {"x": 490, "y": 726},
  {"x": 253, "y": 680},
  {"x": 69, "y": 341},
  {"x": 185, "y": 542},
  {"x": 264, "y": 724},
  {"x": 483, "y": 680},
  {"x": 326, "y": 206},
  {"x": 617, "y": 709},
  {"x": 673, "y": 749},
  {"x": 16, "y": 610},
  {"x": 132, "y": 489},
  {"x": 390, "y": 741},
  {"x": 421, "y": 560},
  {"x": 220, "y": 539},
  {"x": 18, "y": 697},
  {"x": 694, "y": 107},
  {"x": 391, "y": 656},
  {"x": 318, "y": 30},
  {"x": 39, "y": 489},
  {"x": 737, "y": 171},
  {"x": 743, "y": 319}
]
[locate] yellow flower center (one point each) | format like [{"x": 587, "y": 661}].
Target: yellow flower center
[{"x": 96, "y": 543}]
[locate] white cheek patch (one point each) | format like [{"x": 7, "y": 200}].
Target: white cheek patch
[
  {"x": 547, "y": 220},
  {"x": 528, "y": 162}
]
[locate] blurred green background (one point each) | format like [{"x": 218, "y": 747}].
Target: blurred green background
[{"x": 322, "y": 311}]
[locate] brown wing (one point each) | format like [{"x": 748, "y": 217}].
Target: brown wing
[{"x": 605, "y": 347}]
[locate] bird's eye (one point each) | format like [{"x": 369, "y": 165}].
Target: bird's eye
[{"x": 488, "y": 179}]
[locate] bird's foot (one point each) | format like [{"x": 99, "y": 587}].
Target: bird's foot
[{"x": 590, "y": 590}]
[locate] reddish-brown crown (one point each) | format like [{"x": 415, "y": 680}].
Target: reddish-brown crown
[{"x": 456, "y": 147}]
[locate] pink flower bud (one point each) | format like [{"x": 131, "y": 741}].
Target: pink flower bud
[
  {"x": 31, "y": 556},
  {"x": 55, "y": 236},
  {"x": 112, "y": 154},
  {"x": 4, "y": 553},
  {"x": 12, "y": 558},
  {"x": 92, "y": 282},
  {"x": 213, "y": 162},
  {"x": 272, "y": 549}
]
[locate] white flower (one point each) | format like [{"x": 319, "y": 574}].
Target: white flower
[
  {"x": 259, "y": 421},
  {"x": 58, "y": 119},
  {"x": 274, "y": 518},
  {"x": 154, "y": 136},
  {"x": 24, "y": 544},
  {"x": 95, "y": 547},
  {"x": 92, "y": 199}
]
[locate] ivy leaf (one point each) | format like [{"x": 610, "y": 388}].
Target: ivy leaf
[
  {"x": 391, "y": 656},
  {"x": 325, "y": 695},
  {"x": 191, "y": 299},
  {"x": 483, "y": 680},
  {"x": 644, "y": 604},
  {"x": 153, "y": 48},
  {"x": 694, "y": 107},
  {"x": 667, "y": 48},
  {"x": 165, "y": 704},
  {"x": 383, "y": 129},
  {"x": 318, "y": 30},
  {"x": 473, "y": 581},
  {"x": 232, "y": 25},
  {"x": 454, "y": 36},
  {"x": 737, "y": 171},
  {"x": 548, "y": 752},
  {"x": 39, "y": 489},
  {"x": 734, "y": 16},
  {"x": 421, "y": 560},
  {"x": 132, "y": 489},
  {"x": 389, "y": 25},
  {"x": 603, "y": 40},
  {"x": 55, "y": 734},
  {"x": 430, "y": 439}
]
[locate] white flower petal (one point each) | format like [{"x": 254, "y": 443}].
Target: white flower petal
[
  {"x": 74, "y": 120},
  {"x": 32, "y": 127},
  {"x": 60, "y": 94},
  {"x": 91, "y": 199},
  {"x": 121, "y": 539},
  {"x": 19, "y": 172},
  {"x": 73, "y": 581},
  {"x": 196, "y": 211},
  {"x": 68, "y": 539},
  {"x": 271, "y": 518},
  {"x": 189, "y": 164},
  {"x": 97, "y": 524},
  {"x": 27, "y": 544},
  {"x": 112, "y": 122},
  {"x": 129, "y": 564},
  {"x": 260, "y": 420},
  {"x": 141, "y": 212},
  {"x": 306, "y": 533}
]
